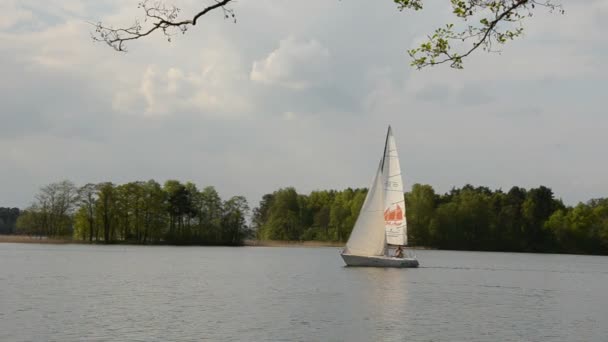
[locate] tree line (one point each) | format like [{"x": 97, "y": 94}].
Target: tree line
[
  {"x": 467, "y": 218},
  {"x": 136, "y": 212},
  {"x": 8, "y": 220}
]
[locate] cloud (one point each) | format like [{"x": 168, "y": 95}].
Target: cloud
[
  {"x": 214, "y": 87},
  {"x": 294, "y": 64},
  {"x": 11, "y": 15},
  {"x": 291, "y": 95}
]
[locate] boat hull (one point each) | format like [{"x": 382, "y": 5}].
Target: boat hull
[{"x": 378, "y": 261}]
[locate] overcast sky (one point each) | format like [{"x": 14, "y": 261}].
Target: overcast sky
[{"x": 298, "y": 93}]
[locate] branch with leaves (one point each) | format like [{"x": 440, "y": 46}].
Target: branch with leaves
[
  {"x": 501, "y": 21},
  {"x": 486, "y": 24},
  {"x": 158, "y": 17}
]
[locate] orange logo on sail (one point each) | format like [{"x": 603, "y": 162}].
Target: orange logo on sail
[{"x": 394, "y": 216}]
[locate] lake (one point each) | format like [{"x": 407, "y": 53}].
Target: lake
[{"x": 137, "y": 293}]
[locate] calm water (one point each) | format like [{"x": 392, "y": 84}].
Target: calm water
[{"x": 129, "y": 293}]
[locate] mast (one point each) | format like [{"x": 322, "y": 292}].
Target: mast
[{"x": 388, "y": 133}]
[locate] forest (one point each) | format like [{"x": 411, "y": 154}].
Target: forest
[
  {"x": 466, "y": 218},
  {"x": 136, "y": 212}
]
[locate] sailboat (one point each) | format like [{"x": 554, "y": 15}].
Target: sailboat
[{"x": 381, "y": 224}]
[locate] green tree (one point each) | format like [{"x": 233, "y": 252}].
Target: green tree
[
  {"x": 536, "y": 209},
  {"x": 82, "y": 225},
  {"x": 87, "y": 196},
  {"x": 283, "y": 217},
  {"x": 210, "y": 213},
  {"x": 261, "y": 213},
  {"x": 8, "y": 220},
  {"x": 30, "y": 222},
  {"x": 420, "y": 204},
  {"x": 154, "y": 212},
  {"x": 234, "y": 225},
  {"x": 106, "y": 211}
]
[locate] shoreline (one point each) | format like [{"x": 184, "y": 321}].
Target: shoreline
[
  {"x": 40, "y": 240},
  {"x": 286, "y": 243},
  {"x": 246, "y": 243}
]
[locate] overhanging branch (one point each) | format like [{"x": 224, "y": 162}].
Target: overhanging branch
[{"x": 162, "y": 18}]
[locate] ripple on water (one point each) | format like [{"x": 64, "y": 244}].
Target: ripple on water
[{"x": 97, "y": 293}]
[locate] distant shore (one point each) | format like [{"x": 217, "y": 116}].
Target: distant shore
[
  {"x": 257, "y": 243},
  {"x": 283, "y": 243},
  {"x": 248, "y": 243},
  {"x": 36, "y": 239},
  {"x": 260, "y": 243}
]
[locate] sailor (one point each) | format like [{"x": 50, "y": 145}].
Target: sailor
[{"x": 398, "y": 252}]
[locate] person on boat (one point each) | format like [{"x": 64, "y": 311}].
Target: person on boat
[{"x": 398, "y": 252}]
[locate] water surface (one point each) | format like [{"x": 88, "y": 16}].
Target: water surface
[{"x": 132, "y": 293}]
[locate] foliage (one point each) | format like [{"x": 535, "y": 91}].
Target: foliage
[
  {"x": 137, "y": 212},
  {"x": 8, "y": 220},
  {"x": 51, "y": 213},
  {"x": 322, "y": 215},
  {"x": 468, "y": 218},
  {"x": 485, "y": 23}
]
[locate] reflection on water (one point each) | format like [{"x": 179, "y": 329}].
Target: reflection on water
[{"x": 130, "y": 293}]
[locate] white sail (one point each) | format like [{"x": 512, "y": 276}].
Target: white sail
[
  {"x": 394, "y": 206},
  {"x": 368, "y": 237}
]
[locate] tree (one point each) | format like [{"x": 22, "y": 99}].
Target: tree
[
  {"x": 8, "y": 220},
  {"x": 283, "y": 216},
  {"x": 420, "y": 204},
  {"x": 87, "y": 196},
  {"x": 106, "y": 210},
  {"x": 260, "y": 214},
  {"x": 340, "y": 216},
  {"x": 536, "y": 209},
  {"x": 233, "y": 220},
  {"x": 154, "y": 212},
  {"x": 53, "y": 208},
  {"x": 82, "y": 225},
  {"x": 180, "y": 208},
  {"x": 319, "y": 203},
  {"x": 209, "y": 214},
  {"x": 485, "y": 24},
  {"x": 30, "y": 222}
]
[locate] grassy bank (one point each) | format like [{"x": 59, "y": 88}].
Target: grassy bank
[
  {"x": 32, "y": 239},
  {"x": 281, "y": 243},
  {"x": 255, "y": 243},
  {"x": 262, "y": 243}
]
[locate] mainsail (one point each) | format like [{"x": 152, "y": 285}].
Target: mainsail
[
  {"x": 367, "y": 238},
  {"x": 394, "y": 206}
]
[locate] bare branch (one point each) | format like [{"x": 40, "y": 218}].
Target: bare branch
[{"x": 157, "y": 17}]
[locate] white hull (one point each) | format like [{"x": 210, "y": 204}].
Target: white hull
[{"x": 378, "y": 261}]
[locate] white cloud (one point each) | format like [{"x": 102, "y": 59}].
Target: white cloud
[
  {"x": 298, "y": 101},
  {"x": 11, "y": 14},
  {"x": 213, "y": 87},
  {"x": 170, "y": 92},
  {"x": 294, "y": 64}
]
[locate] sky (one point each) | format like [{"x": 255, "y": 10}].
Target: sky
[{"x": 298, "y": 93}]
